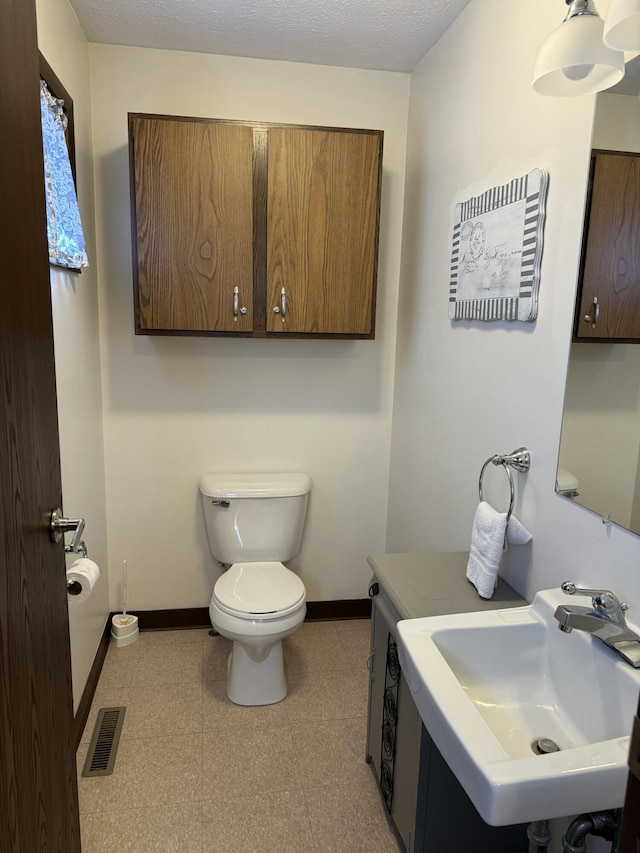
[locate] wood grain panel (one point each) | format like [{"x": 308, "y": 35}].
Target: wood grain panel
[
  {"x": 260, "y": 142},
  {"x": 193, "y": 191},
  {"x": 322, "y": 229},
  {"x": 612, "y": 255},
  {"x": 38, "y": 791}
]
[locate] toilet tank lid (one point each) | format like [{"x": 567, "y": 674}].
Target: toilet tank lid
[{"x": 254, "y": 485}]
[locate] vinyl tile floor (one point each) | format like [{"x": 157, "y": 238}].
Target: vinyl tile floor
[{"x": 196, "y": 774}]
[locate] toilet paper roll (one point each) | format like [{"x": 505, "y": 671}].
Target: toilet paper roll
[{"x": 82, "y": 576}]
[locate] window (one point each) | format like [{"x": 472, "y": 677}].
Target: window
[{"x": 64, "y": 228}]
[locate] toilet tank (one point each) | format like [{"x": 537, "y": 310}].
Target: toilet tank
[{"x": 254, "y": 517}]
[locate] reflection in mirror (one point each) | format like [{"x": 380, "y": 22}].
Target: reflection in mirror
[{"x": 599, "y": 458}]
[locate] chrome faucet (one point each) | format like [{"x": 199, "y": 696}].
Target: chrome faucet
[{"x": 605, "y": 619}]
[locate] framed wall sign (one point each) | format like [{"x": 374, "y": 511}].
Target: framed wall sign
[{"x": 497, "y": 251}]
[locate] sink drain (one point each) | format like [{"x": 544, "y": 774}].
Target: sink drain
[{"x": 544, "y": 745}]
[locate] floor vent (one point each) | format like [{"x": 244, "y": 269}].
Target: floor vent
[{"x": 104, "y": 742}]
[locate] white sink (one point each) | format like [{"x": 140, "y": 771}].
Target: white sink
[{"x": 489, "y": 684}]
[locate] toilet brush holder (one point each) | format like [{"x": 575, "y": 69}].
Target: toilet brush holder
[{"x": 124, "y": 629}]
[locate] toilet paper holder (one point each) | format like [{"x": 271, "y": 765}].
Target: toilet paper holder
[
  {"x": 73, "y": 588},
  {"x": 80, "y": 548},
  {"x": 59, "y": 525},
  {"x": 82, "y": 576}
]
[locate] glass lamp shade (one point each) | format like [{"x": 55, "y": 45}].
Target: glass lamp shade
[
  {"x": 575, "y": 61},
  {"x": 622, "y": 25}
]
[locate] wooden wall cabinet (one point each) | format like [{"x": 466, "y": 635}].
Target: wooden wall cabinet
[
  {"x": 253, "y": 229},
  {"x": 608, "y": 304}
]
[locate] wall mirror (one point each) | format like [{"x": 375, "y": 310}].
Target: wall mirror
[{"x": 599, "y": 457}]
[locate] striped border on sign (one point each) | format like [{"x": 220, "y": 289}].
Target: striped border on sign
[{"x": 533, "y": 189}]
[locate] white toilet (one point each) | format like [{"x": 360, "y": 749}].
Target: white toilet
[{"x": 254, "y": 523}]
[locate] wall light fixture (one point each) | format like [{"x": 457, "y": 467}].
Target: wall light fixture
[
  {"x": 574, "y": 60},
  {"x": 622, "y": 25}
]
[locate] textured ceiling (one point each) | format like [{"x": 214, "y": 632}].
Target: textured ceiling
[{"x": 389, "y": 35}]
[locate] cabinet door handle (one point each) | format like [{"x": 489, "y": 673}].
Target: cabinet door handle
[
  {"x": 236, "y": 310},
  {"x": 595, "y": 314},
  {"x": 282, "y": 308},
  {"x": 283, "y": 304}
]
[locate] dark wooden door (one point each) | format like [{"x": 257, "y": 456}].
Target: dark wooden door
[
  {"x": 611, "y": 271},
  {"x": 322, "y": 230},
  {"x": 192, "y": 195},
  {"x": 38, "y": 791}
]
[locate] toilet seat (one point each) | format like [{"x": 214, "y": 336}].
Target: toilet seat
[{"x": 262, "y": 590}]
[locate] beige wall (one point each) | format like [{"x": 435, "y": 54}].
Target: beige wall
[
  {"x": 617, "y": 122},
  {"x": 176, "y": 408},
  {"x": 75, "y": 320},
  {"x": 465, "y": 390}
]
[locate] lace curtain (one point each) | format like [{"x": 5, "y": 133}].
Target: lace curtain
[{"x": 64, "y": 229}]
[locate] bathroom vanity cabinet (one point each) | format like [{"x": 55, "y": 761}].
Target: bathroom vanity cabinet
[
  {"x": 608, "y": 304},
  {"x": 253, "y": 229},
  {"x": 429, "y": 808}
]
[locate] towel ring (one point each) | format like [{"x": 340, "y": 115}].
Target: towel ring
[
  {"x": 520, "y": 459},
  {"x": 512, "y": 489}
]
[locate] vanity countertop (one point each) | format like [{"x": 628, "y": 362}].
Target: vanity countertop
[{"x": 435, "y": 584}]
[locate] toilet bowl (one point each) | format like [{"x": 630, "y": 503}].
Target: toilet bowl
[
  {"x": 257, "y": 605},
  {"x": 253, "y": 523}
]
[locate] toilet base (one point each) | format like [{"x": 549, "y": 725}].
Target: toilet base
[{"x": 256, "y": 683}]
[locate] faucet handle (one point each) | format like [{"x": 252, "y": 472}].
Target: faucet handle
[{"x": 604, "y": 601}]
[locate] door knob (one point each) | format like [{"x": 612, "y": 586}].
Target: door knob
[{"x": 59, "y": 525}]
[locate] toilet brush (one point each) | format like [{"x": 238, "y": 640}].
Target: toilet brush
[
  {"x": 124, "y": 626},
  {"x": 125, "y": 580}
]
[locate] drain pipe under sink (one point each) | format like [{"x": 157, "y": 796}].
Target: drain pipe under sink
[
  {"x": 538, "y": 831},
  {"x": 539, "y": 836},
  {"x": 603, "y": 824}
]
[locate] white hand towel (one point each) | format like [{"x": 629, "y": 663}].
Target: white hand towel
[
  {"x": 487, "y": 542},
  {"x": 517, "y": 533}
]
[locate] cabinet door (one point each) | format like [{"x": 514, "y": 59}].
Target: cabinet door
[
  {"x": 322, "y": 230},
  {"x": 407, "y": 766},
  {"x": 380, "y": 628},
  {"x": 407, "y": 731},
  {"x": 611, "y": 274},
  {"x": 192, "y": 192},
  {"x": 451, "y": 821}
]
